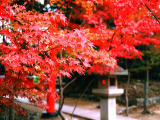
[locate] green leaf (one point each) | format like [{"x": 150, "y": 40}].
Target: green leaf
[{"x": 36, "y": 81}]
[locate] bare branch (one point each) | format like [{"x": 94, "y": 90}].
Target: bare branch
[
  {"x": 81, "y": 97},
  {"x": 69, "y": 83},
  {"x": 151, "y": 12}
]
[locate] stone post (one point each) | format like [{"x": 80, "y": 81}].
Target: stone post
[
  {"x": 108, "y": 101},
  {"x": 108, "y": 109}
]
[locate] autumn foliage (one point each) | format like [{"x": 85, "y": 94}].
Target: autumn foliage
[{"x": 79, "y": 36}]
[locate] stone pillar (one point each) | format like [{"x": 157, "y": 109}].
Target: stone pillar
[
  {"x": 108, "y": 109},
  {"x": 108, "y": 102}
]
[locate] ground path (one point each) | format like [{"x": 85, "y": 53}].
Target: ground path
[
  {"x": 88, "y": 114},
  {"x": 84, "y": 113},
  {"x": 91, "y": 105}
]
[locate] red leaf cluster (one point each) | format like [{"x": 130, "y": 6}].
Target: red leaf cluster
[{"x": 53, "y": 42}]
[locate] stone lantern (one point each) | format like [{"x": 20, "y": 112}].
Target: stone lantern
[{"x": 108, "y": 91}]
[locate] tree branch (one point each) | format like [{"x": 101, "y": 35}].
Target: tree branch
[
  {"x": 69, "y": 83},
  {"x": 81, "y": 96},
  {"x": 151, "y": 12}
]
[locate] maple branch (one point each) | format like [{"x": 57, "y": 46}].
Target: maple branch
[
  {"x": 61, "y": 90},
  {"x": 69, "y": 83},
  {"x": 61, "y": 101},
  {"x": 151, "y": 12},
  {"x": 50, "y": 49},
  {"x": 81, "y": 96},
  {"x": 110, "y": 47},
  {"x": 113, "y": 35}
]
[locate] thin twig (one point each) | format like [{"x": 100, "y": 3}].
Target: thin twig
[
  {"x": 151, "y": 11},
  {"x": 69, "y": 83},
  {"x": 80, "y": 97},
  {"x": 61, "y": 101},
  {"x": 128, "y": 82},
  {"x": 111, "y": 39},
  {"x": 113, "y": 35},
  {"x": 61, "y": 115}
]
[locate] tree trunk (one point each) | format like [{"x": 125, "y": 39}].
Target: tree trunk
[
  {"x": 128, "y": 82},
  {"x": 11, "y": 113},
  {"x": 146, "y": 85},
  {"x": 61, "y": 101}
]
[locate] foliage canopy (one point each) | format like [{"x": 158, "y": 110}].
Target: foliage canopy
[{"x": 70, "y": 36}]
